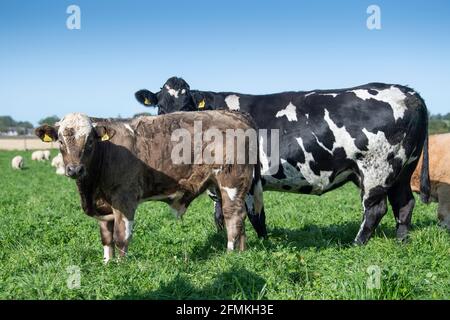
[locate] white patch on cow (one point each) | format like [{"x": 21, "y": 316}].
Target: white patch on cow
[
  {"x": 172, "y": 92},
  {"x": 319, "y": 182},
  {"x": 263, "y": 158},
  {"x": 128, "y": 227},
  {"x": 183, "y": 91},
  {"x": 210, "y": 193},
  {"x": 232, "y": 102},
  {"x": 128, "y": 127},
  {"x": 107, "y": 250},
  {"x": 231, "y": 192},
  {"x": 230, "y": 245},
  {"x": 307, "y": 115},
  {"x": 342, "y": 138},
  {"x": 290, "y": 112},
  {"x": 362, "y": 94},
  {"x": 374, "y": 164},
  {"x": 80, "y": 122},
  {"x": 392, "y": 96},
  {"x": 322, "y": 145},
  {"x": 362, "y": 224},
  {"x": 308, "y": 94},
  {"x": 334, "y": 95}
]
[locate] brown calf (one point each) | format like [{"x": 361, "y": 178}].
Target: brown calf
[
  {"x": 439, "y": 153},
  {"x": 119, "y": 163}
]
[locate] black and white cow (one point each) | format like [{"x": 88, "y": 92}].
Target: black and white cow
[{"x": 371, "y": 135}]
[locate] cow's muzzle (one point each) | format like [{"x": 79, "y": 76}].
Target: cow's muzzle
[{"x": 74, "y": 171}]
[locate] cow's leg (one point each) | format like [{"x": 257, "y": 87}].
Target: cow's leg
[
  {"x": 106, "y": 234},
  {"x": 374, "y": 204},
  {"x": 443, "y": 192},
  {"x": 218, "y": 215},
  {"x": 255, "y": 210},
  {"x": 402, "y": 202},
  {"x": 123, "y": 227},
  {"x": 234, "y": 214}
]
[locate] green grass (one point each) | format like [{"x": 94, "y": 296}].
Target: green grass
[{"x": 309, "y": 255}]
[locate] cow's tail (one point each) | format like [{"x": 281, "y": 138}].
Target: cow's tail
[
  {"x": 425, "y": 187},
  {"x": 257, "y": 216}
]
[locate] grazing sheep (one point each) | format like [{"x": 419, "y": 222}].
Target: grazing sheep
[
  {"x": 58, "y": 161},
  {"x": 46, "y": 154},
  {"x": 17, "y": 163},
  {"x": 37, "y": 156},
  {"x": 61, "y": 171}
]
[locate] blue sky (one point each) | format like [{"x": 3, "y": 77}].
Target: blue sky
[{"x": 251, "y": 46}]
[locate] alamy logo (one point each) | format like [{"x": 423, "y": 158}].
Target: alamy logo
[
  {"x": 234, "y": 146},
  {"x": 73, "y": 277},
  {"x": 73, "y": 21},
  {"x": 374, "y": 278},
  {"x": 374, "y": 20}
]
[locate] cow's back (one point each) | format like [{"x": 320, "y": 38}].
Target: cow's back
[{"x": 159, "y": 136}]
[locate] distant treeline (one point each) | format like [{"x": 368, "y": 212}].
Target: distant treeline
[
  {"x": 9, "y": 125},
  {"x": 438, "y": 124}
]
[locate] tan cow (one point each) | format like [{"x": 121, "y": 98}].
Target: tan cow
[{"x": 439, "y": 153}]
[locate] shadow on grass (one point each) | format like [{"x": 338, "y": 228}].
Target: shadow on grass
[
  {"x": 236, "y": 283},
  {"x": 310, "y": 236}
]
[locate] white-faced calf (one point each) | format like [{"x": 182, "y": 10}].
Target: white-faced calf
[{"x": 119, "y": 163}]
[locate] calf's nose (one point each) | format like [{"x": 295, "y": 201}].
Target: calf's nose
[{"x": 74, "y": 171}]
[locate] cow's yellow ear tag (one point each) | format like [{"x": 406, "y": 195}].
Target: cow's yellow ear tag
[
  {"x": 147, "y": 102},
  {"x": 47, "y": 138},
  {"x": 201, "y": 104},
  {"x": 105, "y": 137}
]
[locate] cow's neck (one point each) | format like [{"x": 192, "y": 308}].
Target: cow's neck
[{"x": 87, "y": 185}]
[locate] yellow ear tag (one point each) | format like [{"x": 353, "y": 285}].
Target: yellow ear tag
[
  {"x": 105, "y": 137},
  {"x": 201, "y": 104},
  {"x": 47, "y": 138},
  {"x": 147, "y": 102}
]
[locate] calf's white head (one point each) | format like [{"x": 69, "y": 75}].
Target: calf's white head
[{"x": 78, "y": 137}]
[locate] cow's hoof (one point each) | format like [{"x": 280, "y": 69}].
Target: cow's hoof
[
  {"x": 402, "y": 233},
  {"x": 359, "y": 241}
]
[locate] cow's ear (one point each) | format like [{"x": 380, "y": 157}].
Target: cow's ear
[
  {"x": 199, "y": 100},
  {"x": 46, "y": 133},
  {"x": 104, "y": 133},
  {"x": 147, "y": 98}
]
